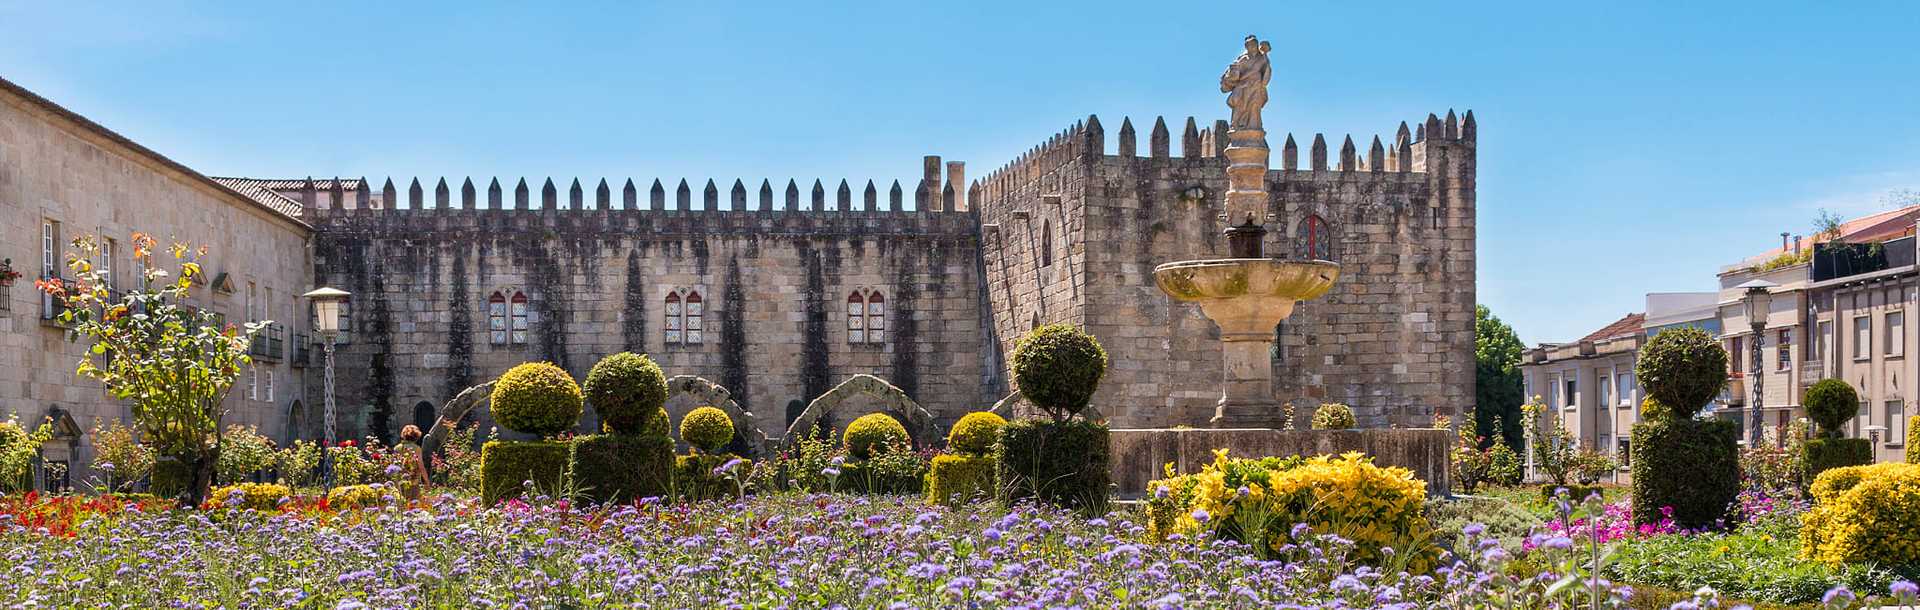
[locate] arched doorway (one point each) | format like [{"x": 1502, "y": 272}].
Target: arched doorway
[{"x": 423, "y": 415}]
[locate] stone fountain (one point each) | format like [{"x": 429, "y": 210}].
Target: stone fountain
[{"x": 1248, "y": 294}]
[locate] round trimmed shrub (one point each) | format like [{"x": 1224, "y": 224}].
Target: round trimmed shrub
[
  {"x": 975, "y": 432},
  {"x": 1333, "y": 416},
  {"x": 657, "y": 425},
  {"x": 1683, "y": 368},
  {"x": 707, "y": 429},
  {"x": 874, "y": 431},
  {"x": 624, "y": 389},
  {"x": 1831, "y": 403},
  {"x": 536, "y": 398},
  {"x": 264, "y": 497},
  {"x": 357, "y": 496},
  {"x": 1864, "y": 514},
  {"x": 1057, "y": 368}
]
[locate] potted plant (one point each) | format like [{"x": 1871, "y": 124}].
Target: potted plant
[{"x": 7, "y": 273}]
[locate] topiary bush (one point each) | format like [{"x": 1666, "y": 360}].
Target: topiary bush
[
  {"x": 1063, "y": 463},
  {"x": 1831, "y": 403},
  {"x": 707, "y": 429},
  {"x": 621, "y": 468},
  {"x": 625, "y": 389},
  {"x": 264, "y": 497},
  {"x": 1057, "y": 368},
  {"x": 1652, "y": 409},
  {"x": 1827, "y": 453},
  {"x": 507, "y": 466},
  {"x": 659, "y": 424},
  {"x": 874, "y": 431},
  {"x": 1913, "y": 440},
  {"x": 1864, "y": 514},
  {"x": 975, "y": 432},
  {"x": 1683, "y": 368},
  {"x": 1333, "y": 416},
  {"x": 1691, "y": 465},
  {"x": 694, "y": 478},
  {"x": 536, "y": 398},
  {"x": 955, "y": 479}
]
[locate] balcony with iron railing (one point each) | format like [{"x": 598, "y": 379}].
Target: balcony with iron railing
[
  {"x": 302, "y": 350},
  {"x": 269, "y": 344}
]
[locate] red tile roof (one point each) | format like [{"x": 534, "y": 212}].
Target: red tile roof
[{"x": 1623, "y": 327}]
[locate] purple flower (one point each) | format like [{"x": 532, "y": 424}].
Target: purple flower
[
  {"x": 727, "y": 468},
  {"x": 1200, "y": 514},
  {"x": 1837, "y": 596},
  {"x": 1904, "y": 590}
]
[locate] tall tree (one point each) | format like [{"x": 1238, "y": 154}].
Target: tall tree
[{"x": 1496, "y": 383}]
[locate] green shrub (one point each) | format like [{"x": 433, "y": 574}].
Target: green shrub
[
  {"x": 1741, "y": 564},
  {"x": 536, "y": 398},
  {"x": 1651, "y": 409},
  {"x": 694, "y": 479},
  {"x": 1061, "y": 463},
  {"x": 1823, "y": 454},
  {"x": 243, "y": 451},
  {"x": 265, "y": 497},
  {"x": 895, "y": 469},
  {"x": 1504, "y": 467},
  {"x": 1333, "y": 416},
  {"x": 707, "y": 429},
  {"x": 624, "y": 390},
  {"x": 1864, "y": 514},
  {"x": 975, "y": 432},
  {"x": 1504, "y": 521},
  {"x": 955, "y": 479},
  {"x": 1690, "y": 465},
  {"x": 1057, "y": 368},
  {"x": 358, "y": 496},
  {"x": 1913, "y": 440},
  {"x": 874, "y": 430},
  {"x": 620, "y": 468},
  {"x": 659, "y": 424},
  {"x": 171, "y": 476},
  {"x": 1683, "y": 368},
  {"x": 507, "y": 466},
  {"x": 1831, "y": 403}
]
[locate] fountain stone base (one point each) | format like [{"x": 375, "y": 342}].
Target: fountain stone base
[{"x": 1247, "y": 298}]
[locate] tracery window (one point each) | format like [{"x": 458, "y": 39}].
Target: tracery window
[
  {"x": 1315, "y": 241},
  {"x": 686, "y": 313},
  {"x": 866, "y": 316},
  {"x": 507, "y": 318}
]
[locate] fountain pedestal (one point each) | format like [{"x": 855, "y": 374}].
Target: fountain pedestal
[{"x": 1247, "y": 298}]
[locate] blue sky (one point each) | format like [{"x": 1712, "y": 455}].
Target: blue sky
[{"x": 1624, "y": 147}]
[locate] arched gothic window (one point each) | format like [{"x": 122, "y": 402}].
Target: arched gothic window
[
  {"x": 507, "y": 318},
  {"x": 1315, "y": 241},
  {"x": 517, "y": 310},
  {"x": 866, "y": 316},
  {"x": 497, "y": 319},
  {"x": 685, "y": 313}
]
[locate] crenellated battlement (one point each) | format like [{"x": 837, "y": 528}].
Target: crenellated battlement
[
  {"x": 1405, "y": 154},
  {"x": 936, "y": 207}
]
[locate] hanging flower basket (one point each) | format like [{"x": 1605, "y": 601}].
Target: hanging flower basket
[{"x": 7, "y": 274}]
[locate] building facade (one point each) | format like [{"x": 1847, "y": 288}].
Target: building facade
[{"x": 776, "y": 292}]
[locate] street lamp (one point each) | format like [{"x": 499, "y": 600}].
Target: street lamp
[
  {"x": 326, "y": 324},
  {"x": 1759, "y": 301}
]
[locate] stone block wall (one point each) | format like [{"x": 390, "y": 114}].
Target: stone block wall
[
  {"x": 774, "y": 285},
  {"x": 1394, "y": 338}
]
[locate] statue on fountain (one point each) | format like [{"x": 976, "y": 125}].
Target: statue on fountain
[{"x": 1245, "y": 83}]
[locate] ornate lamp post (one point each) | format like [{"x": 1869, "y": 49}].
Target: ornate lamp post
[
  {"x": 326, "y": 324},
  {"x": 1758, "y": 301}
]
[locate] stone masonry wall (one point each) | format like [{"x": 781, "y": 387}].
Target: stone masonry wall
[
  {"x": 774, "y": 283},
  {"x": 1394, "y": 338}
]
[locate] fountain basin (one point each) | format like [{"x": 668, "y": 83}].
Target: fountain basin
[
  {"x": 1247, "y": 298},
  {"x": 1226, "y": 278}
]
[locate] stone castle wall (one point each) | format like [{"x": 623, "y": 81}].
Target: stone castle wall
[
  {"x": 1394, "y": 338},
  {"x": 774, "y": 281}
]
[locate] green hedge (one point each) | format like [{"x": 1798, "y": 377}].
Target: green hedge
[
  {"x": 693, "y": 478},
  {"x": 170, "y": 477},
  {"x": 958, "y": 479},
  {"x": 506, "y": 466},
  {"x": 620, "y": 468},
  {"x": 898, "y": 472},
  {"x": 1823, "y": 454},
  {"x": 625, "y": 389},
  {"x": 1061, "y": 463},
  {"x": 1691, "y": 465}
]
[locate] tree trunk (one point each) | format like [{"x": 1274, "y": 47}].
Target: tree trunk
[{"x": 201, "y": 483}]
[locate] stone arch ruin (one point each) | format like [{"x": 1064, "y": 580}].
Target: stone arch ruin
[
  {"x": 895, "y": 402},
  {"x": 707, "y": 393},
  {"x": 451, "y": 414}
]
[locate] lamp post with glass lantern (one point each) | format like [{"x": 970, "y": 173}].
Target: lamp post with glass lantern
[
  {"x": 1758, "y": 300},
  {"x": 326, "y": 324}
]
